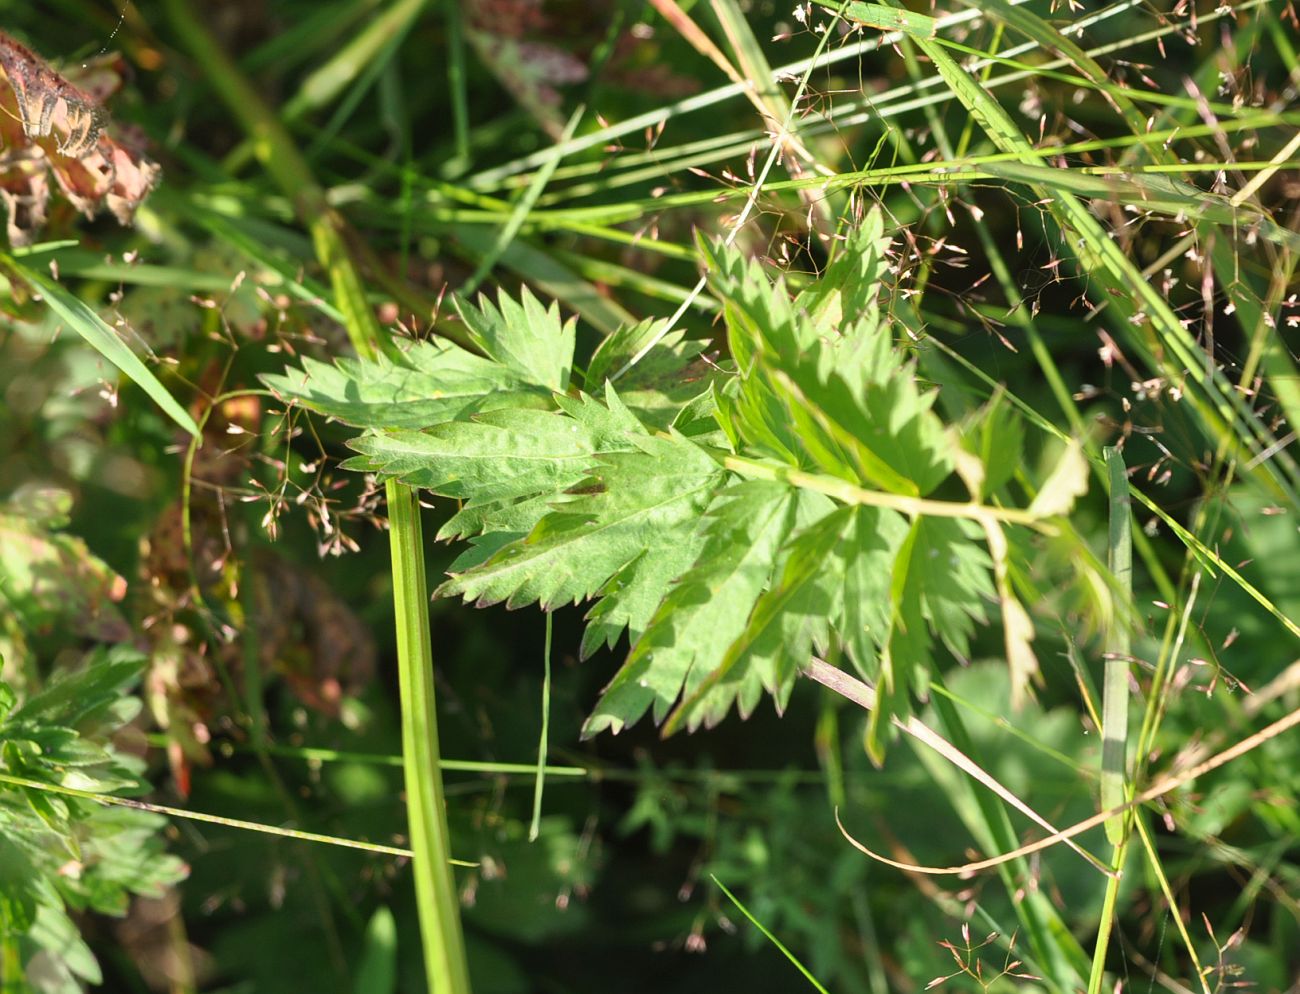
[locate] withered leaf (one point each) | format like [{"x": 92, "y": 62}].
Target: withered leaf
[{"x": 49, "y": 125}]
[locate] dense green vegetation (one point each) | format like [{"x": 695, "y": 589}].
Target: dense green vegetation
[{"x": 892, "y": 413}]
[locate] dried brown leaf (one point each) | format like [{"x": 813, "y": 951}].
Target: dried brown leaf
[{"x": 50, "y": 126}]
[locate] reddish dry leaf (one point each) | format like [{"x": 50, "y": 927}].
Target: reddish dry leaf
[{"x": 49, "y": 126}]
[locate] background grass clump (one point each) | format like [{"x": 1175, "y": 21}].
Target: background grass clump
[{"x": 907, "y": 399}]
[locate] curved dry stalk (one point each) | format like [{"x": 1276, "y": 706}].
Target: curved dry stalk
[
  {"x": 853, "y": 689},
  {"x": 1159, "y": 789}
]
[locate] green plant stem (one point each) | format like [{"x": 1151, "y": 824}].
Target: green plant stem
[
  {"x": 112, "y": 800},
  {"x": 456, "y": 81},
  {"x": 535, "y": 827},
  {"x": 1108, "y": 908},
  {"x": 435, "y": 888},
  {"x": 767, "y": 934},
  {"x": 848, "y": 493},
  {"x": 1114, "y": 708},
  {"x": 286, "y": 166},
  {"x": 1114, "y": 694},
  {"x": 440, "y": 928}
]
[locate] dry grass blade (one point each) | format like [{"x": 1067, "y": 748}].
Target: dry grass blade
[
  {"x": 1159, "y": 789},
  {"x": 864, "y": 696}
]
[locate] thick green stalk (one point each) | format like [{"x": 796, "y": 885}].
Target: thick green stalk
[
  {"x": 435, "y": 888},
  {"x": 440, "y": 929},
  {"x": 1114, "y": 708},
  {"x": 1108, "y": 908},
  {"x": 1114, "y": 694}
]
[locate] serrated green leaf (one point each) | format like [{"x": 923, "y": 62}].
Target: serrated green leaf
[
  {"x": 995, "y": 436},
  {"x": 604, "y": 428},
  {"x": 65, "y": 747},
  {"x": 432, "y": 383},
  {"x": 62, "y": 737},
  {"x": 841, "y": 399},
  {"x": 847, "y": 292},
  {"x": 504, "y": 454},
  {"x": 697, "y": 418},
  {"x": 941, "y": 586},
  {"x": 760, "y": 309},
  {"x": 18, "y": 893},
  {"x": 68, "y": 958},
  {"x": 951, "y": 574},
  {"x": 69, "y": 698},
  {"x": 830, "y": 444},
  {"x": 125, "y": 851},
  {"x": 631, "y": 597},
  {"x": 524, "y": 337},
  {"x": 515, "y": 517},
  {"x": 872, "y": 545},
  {"x": 107, "y": 782},
  {"x": 1067, "y": 482},
  {"x": 496, "y": 455},
  {"x": 754, "y": 416},
  {"x": 789, "y": 620},
  {"x": 670, "y": 374},
  {"x": 888, "y": 430},
  {"x": 610, "y": 422},
  {"x": 706, "y": 610},
  {"x": 633, "y": 504}
]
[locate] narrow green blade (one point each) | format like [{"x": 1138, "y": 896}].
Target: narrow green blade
[{"x": 79, "y": 316}]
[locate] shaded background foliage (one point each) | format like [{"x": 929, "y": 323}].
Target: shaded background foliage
[{"x": 260, "y": 640}]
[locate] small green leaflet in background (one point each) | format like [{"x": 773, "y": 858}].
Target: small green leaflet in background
[
  {"x": 63, "y": 736},
  {"x": 85, "y": 322},
  {"x": 727, "y": 576},
  {"x": 377, "y": 969}
]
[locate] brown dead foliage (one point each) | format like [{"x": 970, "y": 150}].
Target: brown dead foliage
[{"x": 52, "y": 128}]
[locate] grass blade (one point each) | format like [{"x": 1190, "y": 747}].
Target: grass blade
[
  {"x": 772, "y": 938},
  {"x": 1225, "y": 415},
  {"x": 79, "y": 316}
]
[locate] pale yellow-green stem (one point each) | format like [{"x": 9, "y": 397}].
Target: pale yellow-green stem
[{"x": 440, "y": 928}]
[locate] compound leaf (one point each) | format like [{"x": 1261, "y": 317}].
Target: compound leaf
[{"x": 941, "y": 585}]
